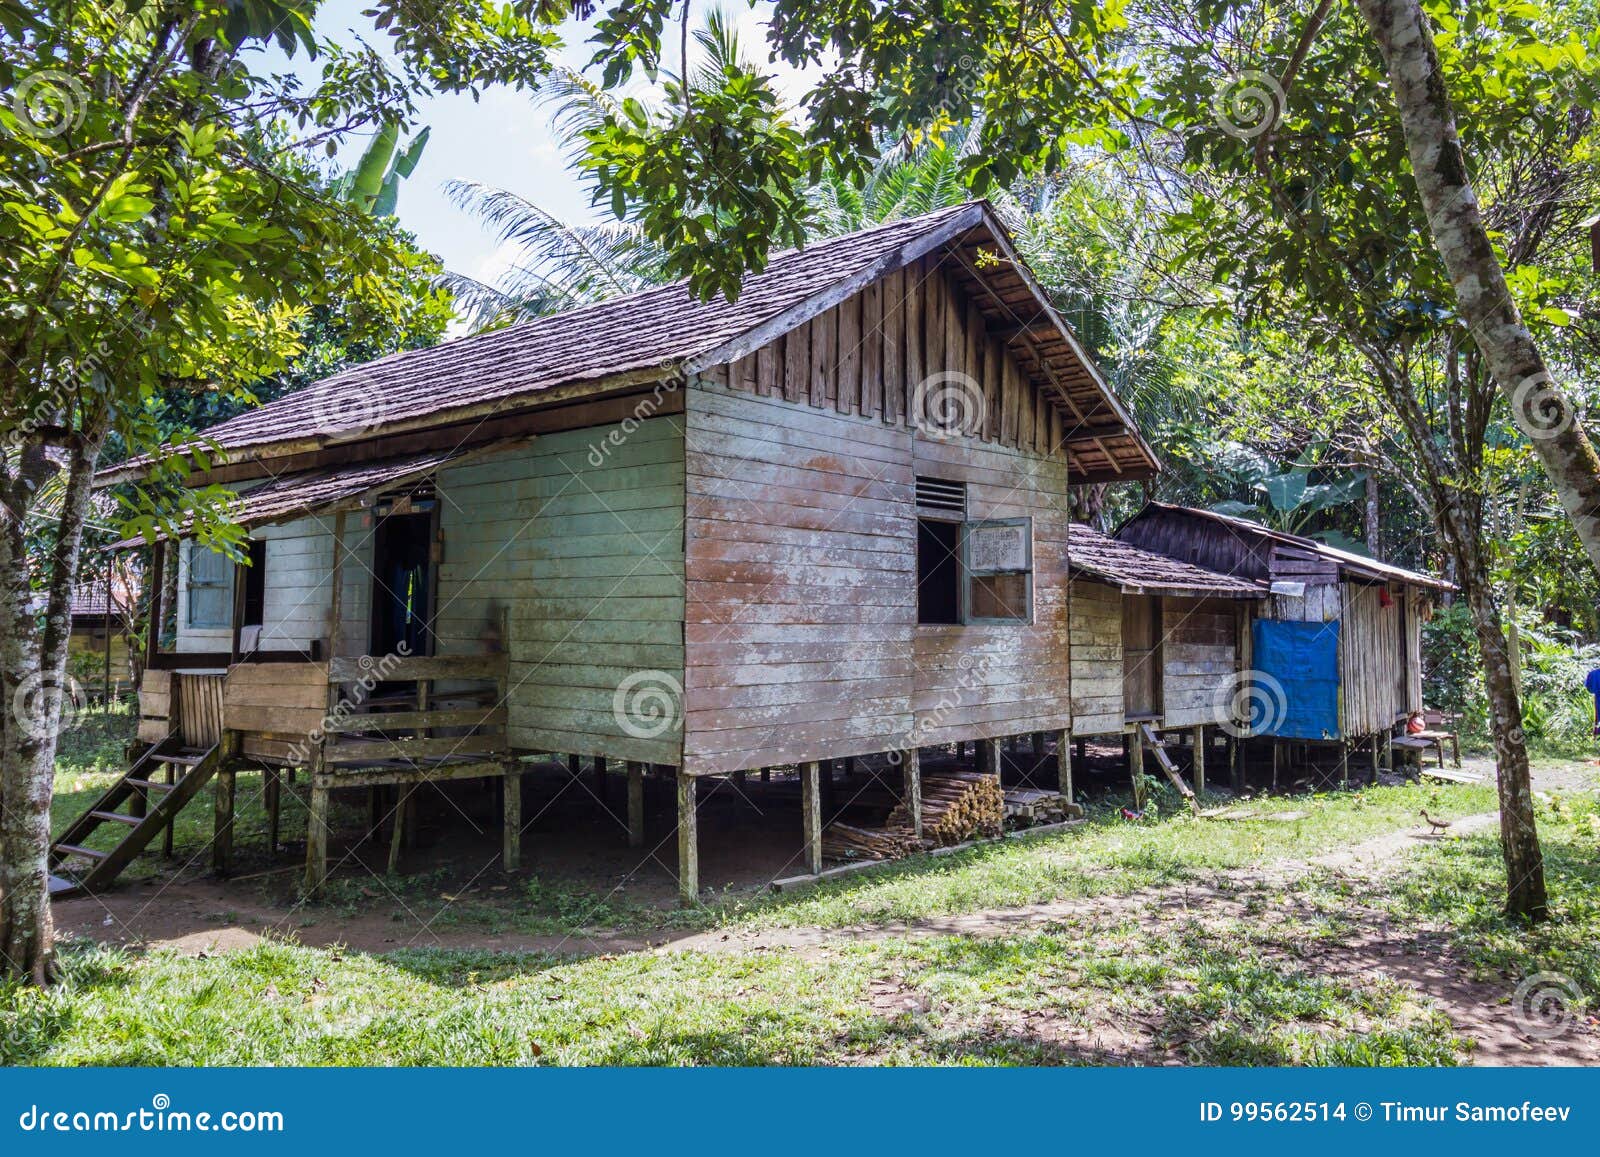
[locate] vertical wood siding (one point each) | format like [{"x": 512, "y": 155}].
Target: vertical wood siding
[
  {"x": 868, "y": 356},
  {"x": 1371, "y": 666},
  {"x": 587, "y": 562}
]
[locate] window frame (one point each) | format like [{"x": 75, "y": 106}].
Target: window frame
[
  {"x": 970, "y": 572},
  {"x": 193, "y": 582}
]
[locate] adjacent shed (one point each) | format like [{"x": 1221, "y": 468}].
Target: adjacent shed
[{"x": 1335, "y": 647}]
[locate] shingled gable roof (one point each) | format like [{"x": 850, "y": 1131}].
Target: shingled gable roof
[
  {"x": 662, "y": 333},
  {"x": 1136, "y": 571},
  {"x": 1348, "y": 562}
]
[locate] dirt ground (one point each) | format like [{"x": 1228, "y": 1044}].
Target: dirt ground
[{"x": 190, "y": 913}]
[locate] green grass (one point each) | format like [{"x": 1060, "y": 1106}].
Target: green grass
[{"x": 1245, "y": 971}]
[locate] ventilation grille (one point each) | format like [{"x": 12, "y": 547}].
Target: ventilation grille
[{"x": 937, "y": 494}]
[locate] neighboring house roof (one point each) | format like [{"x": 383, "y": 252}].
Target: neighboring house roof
[
  {"x": 324, "y": 491},
  {"x": 89, "y": 599},
  {"x": 666, "y": 332},
  {"x": 1347, "y": 561},
  {"x": 1137, "y": 571}
]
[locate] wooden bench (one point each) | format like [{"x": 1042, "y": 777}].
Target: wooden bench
[
  {"x": 1436, "y": 733},
  {"x": 1411, "y": 748}
]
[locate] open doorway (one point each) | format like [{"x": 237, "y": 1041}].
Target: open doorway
[{"x": 402, "y": 584}]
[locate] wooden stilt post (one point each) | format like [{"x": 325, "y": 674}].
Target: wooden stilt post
[
  {"x": 688, "y": 840},
  {"x": 600, "y": 779},
  {"x": 825, "y": 796},
  {"x": 849, "y": 765},
  {"x": 397, "y": 835},
  {"x": 1064, "y": 764},
  {"x": 766, "y": 775},
  {"x": 1344, "y": 763},
  {"x": 635, "y": 805},
  {"x": 1038, "y": 745},
  {"x": 1136, "y": 769},
  {"x": 811, "y": 814},
  {"x": 222, "y": 822},
  {"x": 317, "y": 839},
  {"x": 1236, "y": 762},
  {"x": 989, "y": 760},
  {"x": 273, "y": 792},
  {"x": 1081, "y": 748},
  {"x": 1199, "y": 759},
  {"x": 1275, "y": 753},
  {"x": 166, "y": 832},
  {"x": 511, "y": 833},
  {"x": 911, "y": 768},
  {"x": 574, "y": 766}
]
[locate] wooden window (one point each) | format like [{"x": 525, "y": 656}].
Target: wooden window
[
  {"x": 997, "y": 570},
  {"x": 209, "y": 588}
]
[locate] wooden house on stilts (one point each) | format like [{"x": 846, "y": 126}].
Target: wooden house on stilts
[{"x": 827, "y": 520}]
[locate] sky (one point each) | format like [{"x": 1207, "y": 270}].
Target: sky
[{"x": 503, "y": 139}]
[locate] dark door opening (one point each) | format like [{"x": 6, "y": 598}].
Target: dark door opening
[{"x": 402, "y": 598}]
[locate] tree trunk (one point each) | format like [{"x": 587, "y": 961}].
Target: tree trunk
[
  {"x": 1519, "y": 836},
  {"x": 1540, "y": 407},
  {"x": 1370, "y": 524},
  {"x": 35, "y": 688}
]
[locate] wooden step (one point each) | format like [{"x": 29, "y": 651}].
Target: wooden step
[
  {"x": 184, "y": 759},
  {"x": 150, "y": 783},
  {"x": 62, "y": 887},
  {"x": 76, "y": 850},
  {"x": 117, "y": 818}
]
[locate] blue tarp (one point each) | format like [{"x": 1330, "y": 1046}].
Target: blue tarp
[{"x": 1298, "y": 674}]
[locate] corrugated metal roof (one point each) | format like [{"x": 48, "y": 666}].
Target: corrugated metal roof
[
  {"x": 1141, "y": 571},
  {"x": 1346, "y": 560}
]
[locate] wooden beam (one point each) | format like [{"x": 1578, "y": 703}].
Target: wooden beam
[
  {"x": 1199, "y": 759},
  {"x": 688, "y": 840},
  {"x": 273, "y": 791},
  {"x": 511, "y": 821},
  {"x": 158, "y": 556},
  {"x": 811, "y": 814},
  {"x": 1064, "y": 764},
  {"x": 397, "y": 835},
  {"x": 635, "y": 804},
  {"x": 317, "y": 840},
  {"x": 1136, "y": 770},
  {"x": 911, "y": 768},
  {"x": 222, "y": 822}
]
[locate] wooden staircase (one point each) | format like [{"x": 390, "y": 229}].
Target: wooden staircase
[
  {"x": 1152, "y": 744},
  {"x": 152, "y": 806}
]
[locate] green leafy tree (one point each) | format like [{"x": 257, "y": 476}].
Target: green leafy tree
[{"x": 152, "y": 239}]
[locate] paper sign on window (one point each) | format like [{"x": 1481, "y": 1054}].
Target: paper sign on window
[{"x": 997, "y": 547}]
